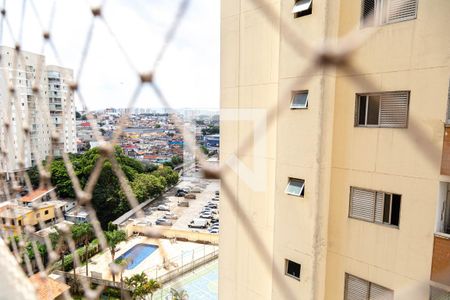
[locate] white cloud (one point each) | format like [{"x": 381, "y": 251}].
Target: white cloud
[{"x": 188, "y": 74}]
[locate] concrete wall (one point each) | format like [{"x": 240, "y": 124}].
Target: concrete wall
[
  {"x": 321, "y": 145},
  {"x": 249, "y": 80},
  {"x": 403, "y": 56}
]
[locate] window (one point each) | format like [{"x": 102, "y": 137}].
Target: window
[
  {"x": 292, "y": 269},
  {"x": 299, "y": 100},
  {"x": 359, "y": 289},
  {"x": 295, "y": 187},
  {"x": 389, "y": 109},
  {"x": 376, "y": 207},
  {"x": 302, "y": 8},
  {"x": 443, "y": 209},
  {"x": 379, "y": 12},
  {"x": 46, "y": 212},
  {"x": 20, "y": 222}
]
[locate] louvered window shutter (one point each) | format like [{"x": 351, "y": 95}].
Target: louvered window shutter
[
  {"x": 356, "y": 288},
  {"x": 362, "y": 205},
  {"x": 401, "y": 10},
  {"x": 378, "y": 292},
  {"x": 394, "y": 109},
  {"x": 379, "y": 207}
]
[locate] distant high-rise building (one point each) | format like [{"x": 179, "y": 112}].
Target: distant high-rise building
[
  {"x": 356, "y": 201},
  {"x": 62, "y": 108},
  {"x": 25, "y": 94}
]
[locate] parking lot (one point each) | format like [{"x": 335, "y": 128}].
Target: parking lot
[{"x": 179, "y": 217}]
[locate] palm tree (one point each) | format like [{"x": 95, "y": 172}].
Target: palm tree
[
  {"x": 142, "y": 286},
  {"x": 122, "y": 262},
  {"x": 83, "y": 232},
  {"x": 113, "y": 238},
  {"x": 179, "y": 295},
  {"x": 152, "y": 286}
]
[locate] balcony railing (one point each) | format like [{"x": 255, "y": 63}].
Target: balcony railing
[{"x": 440, "y": 266}]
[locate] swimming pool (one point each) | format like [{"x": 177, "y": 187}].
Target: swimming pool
[{"x": 137, "y": 254}]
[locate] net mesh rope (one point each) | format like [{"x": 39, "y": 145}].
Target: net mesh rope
[{"x": 332, "y": 54}]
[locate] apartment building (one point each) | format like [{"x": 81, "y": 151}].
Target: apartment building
[
  {"x": 62, "y": 108},
  {"x": 22, "y": 108},
  {"x": 357, "y": 161}
]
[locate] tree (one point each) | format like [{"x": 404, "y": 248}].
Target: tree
[
  {"x": 113, "y": 238},
  {"x": 204, "y": 149},
  {"x": 170, "y": 175},
  {"x": 142, "y": 286},
  {"x": 145, "y": 186},
  {"x": 59, "y": 245},
  {"x": 83, "y": 232},
  {"x": 108, "y": 199},
  {"x": 122, "y": 262},
  {"x": 179, "y": 295}
]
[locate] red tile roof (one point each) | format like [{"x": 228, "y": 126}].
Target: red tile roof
[
  {"x": 36, "y": 194},
  {"x": 47, "y": 288}
]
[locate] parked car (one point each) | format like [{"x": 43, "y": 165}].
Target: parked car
[
  {"x": 198, "y": 223},
  {"x": 211, "y": 205},
  {"x": 170, "y": 215},
  {"x": 215, "y": 225},
  {"x": 163, "y": 207},
  {"x": 196, "y": 190},
  {"x": 215, "y": 220},
  {"x": 206, "y": 215},
  {"x": 180, "y": 194},
  {"x": 215, "y": 199},
  {"x": 163, "y": 221},
  {"x": 214, "y": 230},
  {"x": 190, "y": 196},
  {"x": 217, "y": 193}
]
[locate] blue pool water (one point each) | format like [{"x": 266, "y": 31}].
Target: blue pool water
[{"x": 137, "y": 254}]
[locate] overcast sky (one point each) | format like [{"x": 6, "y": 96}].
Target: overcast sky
[{"x": 188, "y": 73}]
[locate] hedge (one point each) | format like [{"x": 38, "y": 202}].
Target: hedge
[{"x": 93, "y": 249}]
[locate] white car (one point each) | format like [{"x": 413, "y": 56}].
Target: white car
[
  {"x": 206, "y": 215},
  {"x": 214, "y": 230},
  {"x": 170, "y": 215},
  {"x": 198, "y": 223},
  {"x": 163, "y": 207}
]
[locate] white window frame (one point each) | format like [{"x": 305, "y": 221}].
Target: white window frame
[
  {"x": 301, "y": 194},
  {"x": 294, "y": 106},
  {"x": 381, "y": 14},
  {"x": 374, "y": 217},
  {"x": 382, "y": 104},
  {"x": 301, "y": 6}
]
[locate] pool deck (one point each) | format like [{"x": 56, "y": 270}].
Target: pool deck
[{"x": 176, "y": 253}]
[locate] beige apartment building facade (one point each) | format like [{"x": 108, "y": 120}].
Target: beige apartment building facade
[
  {"x": 21, "y": 107},
  {"x": 355, "y": 203}
]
